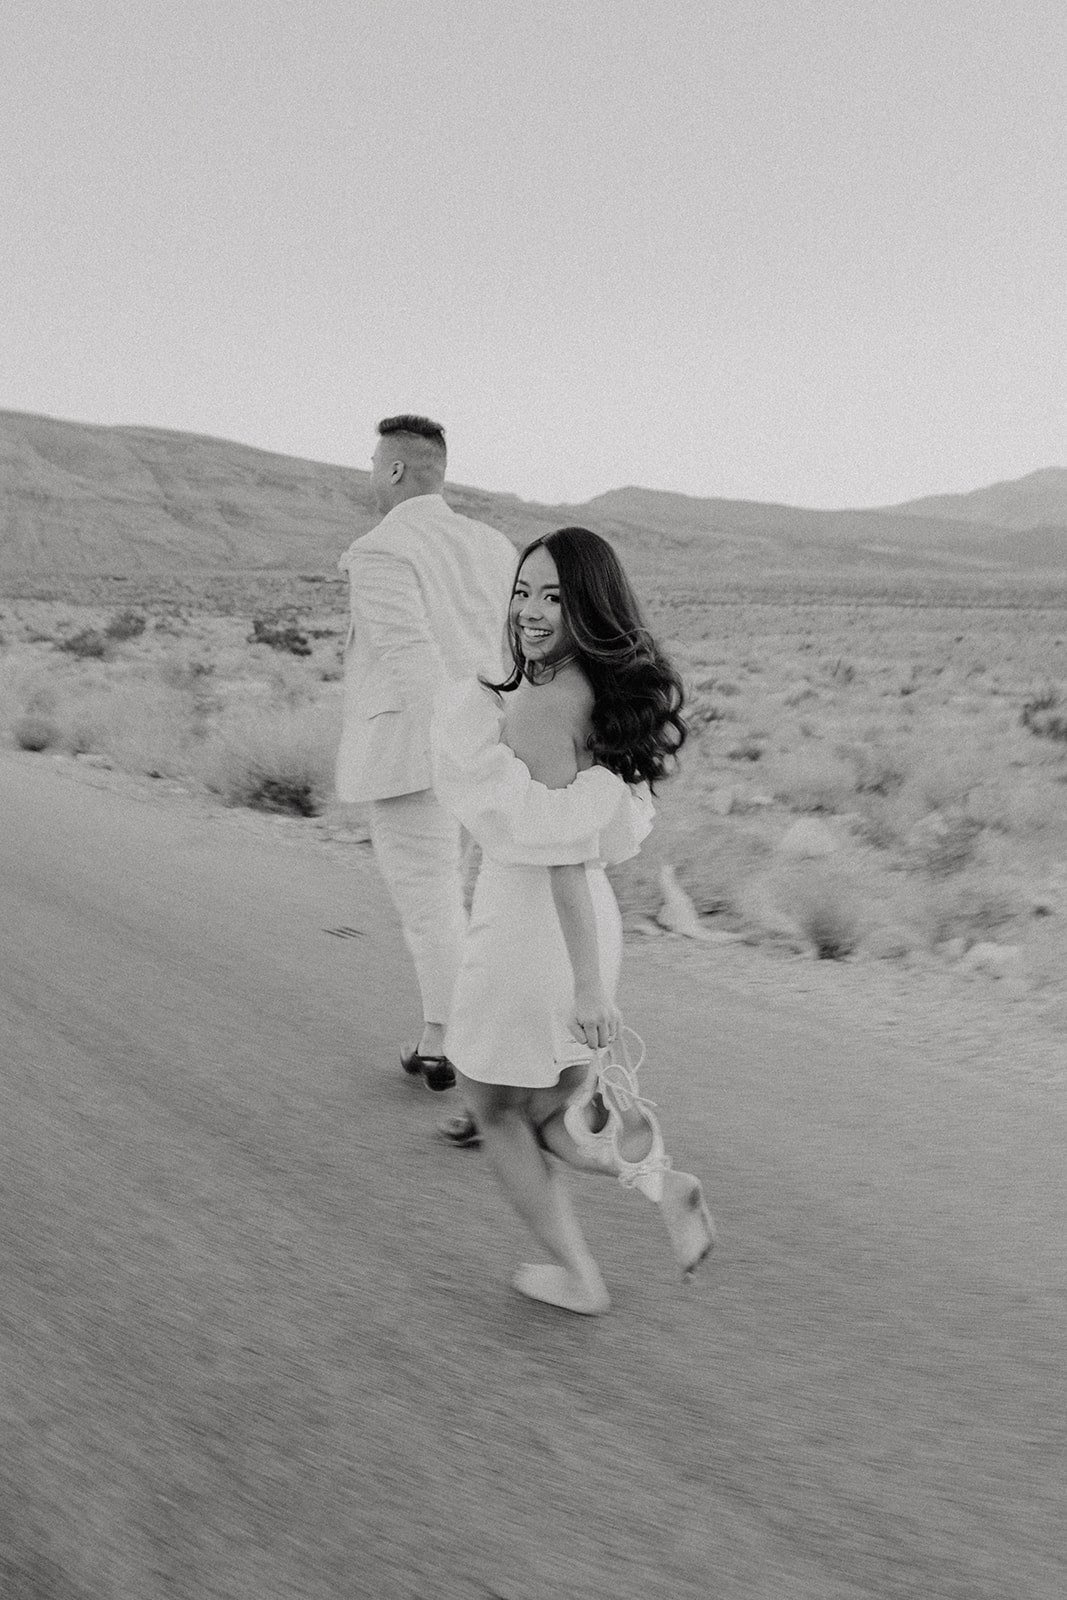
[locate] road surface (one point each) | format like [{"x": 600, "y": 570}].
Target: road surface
[{"x": 256, "y": 1335}]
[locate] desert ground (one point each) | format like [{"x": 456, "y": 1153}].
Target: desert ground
[
  {"x": 877, "y": 782},
  {"x": 257, "y": 1336}
]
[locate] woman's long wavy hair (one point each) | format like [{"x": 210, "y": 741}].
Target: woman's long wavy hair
[{"x": 637, "y": 720}]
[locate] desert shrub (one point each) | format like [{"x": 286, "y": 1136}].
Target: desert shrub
[
  {"x": 193, "y": 679},
  {"x": 811, "y": 902},
  {"x": 290, "y": 685},
  {"x": 749, "y": 749},
  {"x": 948, "y": 847},
  {"x": 190, "y": 674},
  {"x": 970, "y": 908},
  {"x": 879, "y": 770},
  {"x": 701, "y": 711},
  {"x": 36, "y": 731},
  {"x": 279, "y": 634},
  {"x": 88, "y": 644},
  {"x": 172, "y": 623},
  {"x": 1009, "y": 808},
  {"x": 939, "y": 774},
  {"x": 126, "y": 625},
  {"x": 799, "y": 694},
  {"x": 825, "y": 906},
  {"x": 273, "y": 761},
  {"x": 24, "y": 687},
  {"x": 841, "y": 672},
  {"x": 1043, "y": 716},
  {"x": 879, "y": 824},
  {"x": 813, "y": 781},
  {"x": 141, "y": 725}
]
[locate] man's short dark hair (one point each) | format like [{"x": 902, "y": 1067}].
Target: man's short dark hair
[{"x": 422, "y": 427}]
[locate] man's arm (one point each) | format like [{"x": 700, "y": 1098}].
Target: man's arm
[{"x": 389, "y": 613}]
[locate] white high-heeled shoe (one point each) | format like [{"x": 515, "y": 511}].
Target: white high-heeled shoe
[
  {"x": 614, "y": 1084},
  {"x": 679, "y": 1196}
]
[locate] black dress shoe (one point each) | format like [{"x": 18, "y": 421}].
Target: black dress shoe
[{"x": 437, "y": 1072}]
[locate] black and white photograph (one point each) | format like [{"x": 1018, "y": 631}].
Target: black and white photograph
[{"x": 533, "y": 767}]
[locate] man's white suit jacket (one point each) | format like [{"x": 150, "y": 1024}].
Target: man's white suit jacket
[{"x": 429, "y": 600}]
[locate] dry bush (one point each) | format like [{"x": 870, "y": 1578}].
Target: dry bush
[
  {"x": 126, "y": 625},
  {"x": 880, "y": 768},
  {"x": 1010, "y": 806},
  {"x": 1044, "y": 716},
  {"x": 908, "y": 784},
  {"x": 88, "y": 644},
  {"x": 820, "y": 902},
  {"x": 280, "y": 760},
  {"x": 36, "y": 731},
  {"x": 972, "y": 908},
  {"x": 24, "y": 690},
  {"x": 826, "y": 905},
  {"x": 813, "y": 781},
  {"x": 292, "y": 685},
  {"x": 701, "y": 711},
  {"x": 946, "y": 843},
  {"x": 141, "y": 725},
  {"x": 800, "y": 693},
  {"x": 941, "y": 776},
  {"x": 751, "y": 748},
  {"x": 280, "y": 633}
]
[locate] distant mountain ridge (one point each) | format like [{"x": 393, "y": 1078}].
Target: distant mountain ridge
[
  {"x": 83, "y": 499},
  {"x": 1037, "y": 501}
]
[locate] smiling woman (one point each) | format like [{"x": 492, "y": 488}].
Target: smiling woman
[{"x": 550, "y": 771}]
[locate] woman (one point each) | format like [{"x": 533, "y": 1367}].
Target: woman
[{"x": 551, "y": 772}]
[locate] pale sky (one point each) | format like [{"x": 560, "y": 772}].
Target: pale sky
[{"x": 797, "y": 250}]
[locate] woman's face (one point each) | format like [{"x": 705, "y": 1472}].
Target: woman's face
[{"x": 535, "y": 609}]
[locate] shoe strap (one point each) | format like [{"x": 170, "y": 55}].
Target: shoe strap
[
  {"x": 617, "y": 1072},
  {"x": 617, "y": 1083}
]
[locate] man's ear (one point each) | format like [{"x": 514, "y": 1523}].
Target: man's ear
[{"x": 396, "y": 472}]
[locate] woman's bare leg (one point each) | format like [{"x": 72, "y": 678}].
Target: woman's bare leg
[{"x": 571, "y": 1279}]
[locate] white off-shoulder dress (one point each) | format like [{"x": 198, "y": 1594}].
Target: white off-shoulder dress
[{"x": 515, "y": 991}]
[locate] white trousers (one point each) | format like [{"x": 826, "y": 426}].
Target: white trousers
[{"x": 417, "y": 848}]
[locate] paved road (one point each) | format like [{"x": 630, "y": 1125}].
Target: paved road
[{"x": 255, "y": 1333}]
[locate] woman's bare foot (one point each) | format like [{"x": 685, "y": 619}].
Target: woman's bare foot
[
  {"x": 688, "y": 1221},
  {"x": 583, "y": 1293}
]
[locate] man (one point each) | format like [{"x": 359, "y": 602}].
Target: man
[{"x": 429, "y": 599}]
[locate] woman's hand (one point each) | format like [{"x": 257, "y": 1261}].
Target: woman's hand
[{"x": 595, "y": 1019}]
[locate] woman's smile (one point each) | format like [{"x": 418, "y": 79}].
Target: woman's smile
[{"x": 535, "y": 637}]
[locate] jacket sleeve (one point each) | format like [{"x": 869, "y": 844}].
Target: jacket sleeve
[{"x": 389, "y": 615}]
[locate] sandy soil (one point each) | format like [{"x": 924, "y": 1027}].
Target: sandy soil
[{"x": 256, "y": 1337}]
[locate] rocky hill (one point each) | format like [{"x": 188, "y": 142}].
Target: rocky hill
[{"x": 82, "y": 500}]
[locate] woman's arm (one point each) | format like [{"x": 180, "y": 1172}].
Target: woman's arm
[
  {"x": 544, "y": 735},
  {"x": 595, "y": 1019}
]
